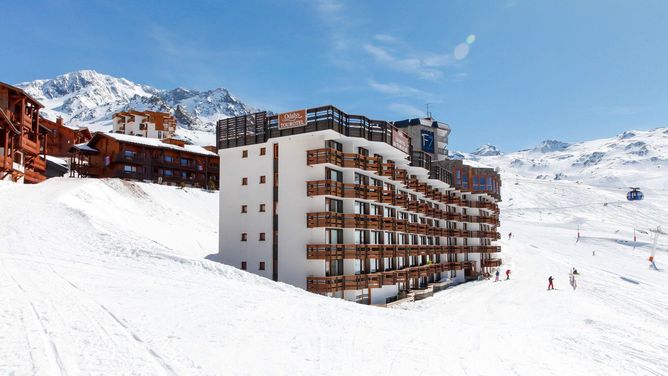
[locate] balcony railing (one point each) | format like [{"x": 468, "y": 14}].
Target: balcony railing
[
  {"x": 379, "y": 279},
  {"x": 131, "y": 159},
  {"x": 492, "y": 263},
  {"x": 379, "y": 251},
  {"x": 39, "y": 164},
  {"x": 135, "y": 175},
  {"x": 6, "y": 163},
  {"x": 29, "y": 146}
]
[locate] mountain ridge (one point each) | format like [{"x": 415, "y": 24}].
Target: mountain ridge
[{"x": 89, "y": 98}]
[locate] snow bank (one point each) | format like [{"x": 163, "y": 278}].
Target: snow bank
[{"x": 110, "y": 277}]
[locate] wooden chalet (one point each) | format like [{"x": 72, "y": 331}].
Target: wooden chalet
[
  {"x": 23, "y": 141},
  {"x": 167, "y": 161},
  {"x": 64, "y": 137}
]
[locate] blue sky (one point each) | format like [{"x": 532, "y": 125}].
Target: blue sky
[{"x": 506, "y": 72}]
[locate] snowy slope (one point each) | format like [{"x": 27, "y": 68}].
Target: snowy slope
[
  {"x": 89, "y": 98},
  {"x": 633, "y": 158},
  {"x": 110, "y": 277}
]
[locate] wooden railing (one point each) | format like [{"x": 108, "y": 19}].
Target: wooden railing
[
  {"x": 29, "y": 146},
  {"x": 39, "y": 164},
  {"x": 492, "y": 263},
  {"x": 379, "y": 279},
  {"x": 33, "y": 177},
  {"x": 378, "y": 251}
]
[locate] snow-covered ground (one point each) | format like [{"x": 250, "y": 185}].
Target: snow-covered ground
[{"x": 110, "y": 277}]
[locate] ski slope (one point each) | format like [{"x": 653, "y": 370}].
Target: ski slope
[{"x": 110, "y": 277}]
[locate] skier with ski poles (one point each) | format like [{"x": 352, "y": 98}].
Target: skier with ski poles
[
  {"x": 550, "y": 284},
  {"x": 497, "y": 275},
  {"x": 507, "y": 274}
]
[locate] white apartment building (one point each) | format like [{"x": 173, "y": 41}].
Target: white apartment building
[
  {"x": 341, "y": 205},
  {"x": 149, "y": 124}
]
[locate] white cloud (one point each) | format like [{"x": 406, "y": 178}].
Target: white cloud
[
  {"x": 404, "y": 109},
  {"x": 385, "y": 38},
  {"x": 414, "y": 65},
  {"x": 394, "y": 89}
]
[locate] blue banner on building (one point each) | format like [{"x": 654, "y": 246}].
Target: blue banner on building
[{"x": 427, "y": 141}]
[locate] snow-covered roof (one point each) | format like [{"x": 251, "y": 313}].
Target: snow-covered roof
[
  {"x": 157, "y": 143},
  {"x": 85, "y": 147},
  {"x": 57, "y": 160}
]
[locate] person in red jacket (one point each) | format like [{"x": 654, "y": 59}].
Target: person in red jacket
[
  {"x": 507, "y": 274},
  {"x": 550, "y": 284}
]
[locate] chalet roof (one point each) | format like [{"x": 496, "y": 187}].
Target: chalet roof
[
  {"x": 153, "y": 142},
  {"x": 10, "y": 87},
  {"x": 84, "y": 148}
]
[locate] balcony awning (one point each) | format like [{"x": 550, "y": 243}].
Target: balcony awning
[{"x": 84, "y": 149}]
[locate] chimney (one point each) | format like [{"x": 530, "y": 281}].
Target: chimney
[{"x": 59, "y": 121}]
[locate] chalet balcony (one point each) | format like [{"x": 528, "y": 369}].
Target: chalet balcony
[
  {"x": 129, "y": 159},
  {"x": 29, "y": 146},
  {"x": 33, "y": 177}
]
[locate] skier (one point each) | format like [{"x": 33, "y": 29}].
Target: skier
[
  {"x": 507, "y": 274},
  {"x": 510, "y": 235},
  {"x": 497, "y": 276},
  {"x": 593, "y": 253},
  {"x": 550, "y": 285},
  {"x": 575, "y": 272}
]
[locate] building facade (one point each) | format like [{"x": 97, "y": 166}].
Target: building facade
[
  {"x": 343, "y": 206},
  {"x": 167, "y": 161},
  {"x": 23, "y": 142},
  {"x": 149, "y": 124},
  {"x": 63, "y": 136}
]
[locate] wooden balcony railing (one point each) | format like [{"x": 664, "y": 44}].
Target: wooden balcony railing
[
  {"x": 379, "y": 251},
  {"x": 492, "y": 263},
  {"x": 351, "y": 160},
  {"x": 29, "y": 146},
  {"x": 376, "y": 280}
]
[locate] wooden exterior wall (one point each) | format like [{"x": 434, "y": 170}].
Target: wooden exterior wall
[
  {"x": 118, "y": 159},
  {"x": 23, "y": 144}
]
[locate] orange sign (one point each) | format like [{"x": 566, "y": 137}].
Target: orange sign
[
  {"x": 401, "y": 141},
  {"x": 292, "y": 119}
]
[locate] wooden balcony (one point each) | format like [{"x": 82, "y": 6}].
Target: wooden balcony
[
  {"x": 492, "y": 263},
  {"x": 349, "y": 160},
  {"x": 373, "y": 251},
  {"x": 129, "y": 159},
  {"x": 332, "y": 284},
  {"x": 338, "y": 189},
  {"x": 28, "y": 146}
]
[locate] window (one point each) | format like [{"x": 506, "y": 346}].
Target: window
[
  {"x": 244, "y": 208},
  {"x": 243, "y": 265},
  {"x": 263, "y": 179},
  {"x": 129, "y": 169},
  {"x": 169, "y": 159},
  {"x": 169, "y": 173},
  {"x": 263, "y": 208},
  {"x": 363, "y": 151},
  {"x": 185, "y": 162},
  {"x": 263, "y": 151},
  {"x": 244, "y": 237},
  {"x": 262, "y": 237},
  {"x": 333, "y": 236},
  {"x": 244, "y": 154},
  {"x": 332, "y": 205},
  {"x": 129, "y": 154},
  {"x": 335, "y": 145},
  {"x": 261, "y": 267},
  {"x": 244, "y": 181},
  {"x": 331, "y": 174}
]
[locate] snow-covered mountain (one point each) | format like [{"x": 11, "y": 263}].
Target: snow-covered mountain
[
  {"x": 89, "y": 98},
  {"x": 633, "y": 158},
  {"x": 486, "y": 151}
]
